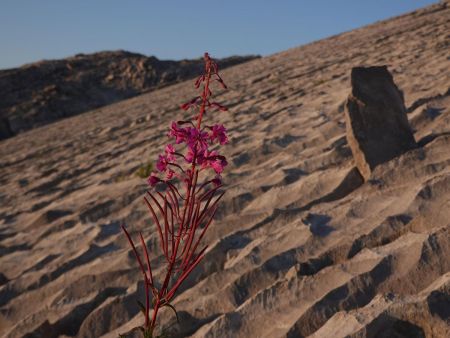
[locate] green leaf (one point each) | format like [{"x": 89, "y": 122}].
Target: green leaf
[{"x": 148, "y": 334}]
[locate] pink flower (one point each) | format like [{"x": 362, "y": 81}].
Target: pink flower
[
  {"x": 189, "y": 155},
  {"x": 170, "y": 151},
  {"x": 197, "y": 140},
  {"x": 218, "y": 164},
  {"x": 177, "y": 132},
  {"x": 218, "y": 132},
  {"x": 169, "y": 174},
  {"x": 212, "y": 160},
  {"x": 200, "y": 156},
  {"x": 153, "y": 179},
  {"x": 207, "y": 158},
  {"x": 162, "y": 163}
]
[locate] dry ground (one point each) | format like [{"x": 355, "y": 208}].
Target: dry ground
[{"x": 299, "y": 248}]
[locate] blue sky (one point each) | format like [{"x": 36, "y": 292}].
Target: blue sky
[{"x": 173, "y": 29}]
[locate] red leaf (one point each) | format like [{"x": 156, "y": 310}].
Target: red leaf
[
  {"x": 199, "y": 80},
  {"x": 219, "y": 106},
  {"x": 187, "y": 105},
  {"x": 219, "y": 79}
]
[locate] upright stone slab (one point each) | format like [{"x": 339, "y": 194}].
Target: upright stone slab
[{"x": 377, "y": 125}]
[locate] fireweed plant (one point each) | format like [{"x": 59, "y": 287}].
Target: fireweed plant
[{"x": 183, "y": 196}]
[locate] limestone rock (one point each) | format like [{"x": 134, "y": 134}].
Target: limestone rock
[{"x": 377, "y": 125}]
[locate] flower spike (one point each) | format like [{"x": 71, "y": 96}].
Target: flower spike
[{"x": 184, "y": 195}]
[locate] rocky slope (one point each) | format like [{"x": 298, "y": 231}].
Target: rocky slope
[
  {"x": 301, "y": 246},
  {"x": 46, "y": 91}
]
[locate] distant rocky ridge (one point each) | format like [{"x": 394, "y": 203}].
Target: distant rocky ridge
[{"x": 43, "y": 92}]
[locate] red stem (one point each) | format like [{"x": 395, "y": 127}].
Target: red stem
[
  {"x": 155, "y": 312},
  {"x": 191, "y": 236},
  {"x": 178, "y": 239}
]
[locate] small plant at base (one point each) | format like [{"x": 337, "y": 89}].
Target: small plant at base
[
  {"x": 144, "y": 170},
  {"x": 183, "y": 197}
]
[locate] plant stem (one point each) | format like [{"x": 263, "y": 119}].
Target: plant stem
[
  {"x": 155, "y": 312},
  {"x": 204, "y": 97}
]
